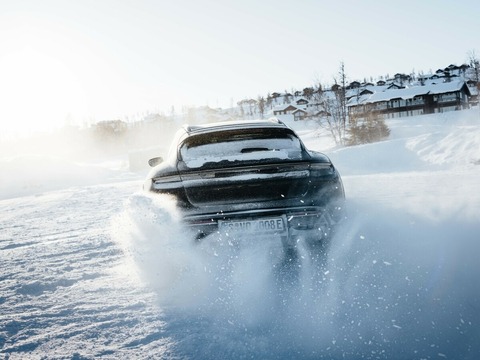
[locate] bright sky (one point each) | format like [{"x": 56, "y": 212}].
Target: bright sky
[{"x": 82, "y": 61}]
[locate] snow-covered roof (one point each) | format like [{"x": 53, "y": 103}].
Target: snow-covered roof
[
  {"x": 299, "y": 110},
  {"x": 284, "y": 107},
  {"x": 373, "y": 88},
  {"x": 447, "y": 87},
  {"x": 407, "y": 93},
  {"x": 301, "y": 99}
]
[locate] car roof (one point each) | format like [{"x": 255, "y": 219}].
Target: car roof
[{"x": 232, "y": 125}]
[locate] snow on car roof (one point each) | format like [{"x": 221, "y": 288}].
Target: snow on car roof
[{"x": 235, "y": 124}]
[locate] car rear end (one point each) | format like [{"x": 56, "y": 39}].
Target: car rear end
[{"x": 253, "y": 180}]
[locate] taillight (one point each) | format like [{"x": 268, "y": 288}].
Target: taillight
[
  {"x": 322, "y": 169},
  {"x": 167, "y": 182}
]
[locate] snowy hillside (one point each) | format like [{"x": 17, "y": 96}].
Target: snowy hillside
[{"x": 93, "y": 268}]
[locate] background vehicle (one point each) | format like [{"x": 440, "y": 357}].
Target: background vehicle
[{"x": 250, "y": 177}]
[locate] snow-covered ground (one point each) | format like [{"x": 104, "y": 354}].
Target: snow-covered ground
[{"x": 93, "y": 268}]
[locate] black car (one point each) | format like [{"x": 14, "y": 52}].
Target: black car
[{"x": 250, "y": 177}]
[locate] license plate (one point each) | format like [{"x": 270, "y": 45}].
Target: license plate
[{"x": 274, "y": 225}]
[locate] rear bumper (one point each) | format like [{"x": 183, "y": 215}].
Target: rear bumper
[{"x": 309, "y": 223}]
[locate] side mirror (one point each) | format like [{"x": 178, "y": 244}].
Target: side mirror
[{"x": 155, "y": 161}]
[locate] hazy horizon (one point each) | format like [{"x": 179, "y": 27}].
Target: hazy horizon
[{"x": 90, "y": 61}]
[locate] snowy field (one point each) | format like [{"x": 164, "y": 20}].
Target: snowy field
[{"x": 93, "y": 268}]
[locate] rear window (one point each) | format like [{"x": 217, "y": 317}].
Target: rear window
[{"x": 251, "y": 145}]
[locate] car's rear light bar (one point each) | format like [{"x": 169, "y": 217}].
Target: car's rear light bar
[
  {"x": 322, "y": 169},
  {"x": 167, "y": 182}
]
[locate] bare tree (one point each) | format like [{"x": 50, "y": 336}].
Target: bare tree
[
  {"x": 421, "y": 77},
  {"x": 474, "y": 70},
  {"x": 474, "y": 65},
  {"x": 242, "y": 111},
  {"x": 331, "y": 106},
  {"x": 268, "y": 101},
  {"x": 341, "y": 96},
  {"x": 252, "y": 103},
  {"x": 328, "y": 113},
  {"x": 287, "y": 97},
  {"x": 261, "y": 106}
]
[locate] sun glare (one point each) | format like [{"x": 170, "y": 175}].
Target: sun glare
[{"x": 39, "y": 93}]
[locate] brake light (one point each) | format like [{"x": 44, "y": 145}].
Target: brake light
[
  {"x": 322, "y": 169},
  {"x": 167, "y": 182}
]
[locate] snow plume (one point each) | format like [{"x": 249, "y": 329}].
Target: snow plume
[
  {"x": 392, "y": 285},
  {"x": 157, "y": 248},
  {"x": 211, "y": 274}
]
